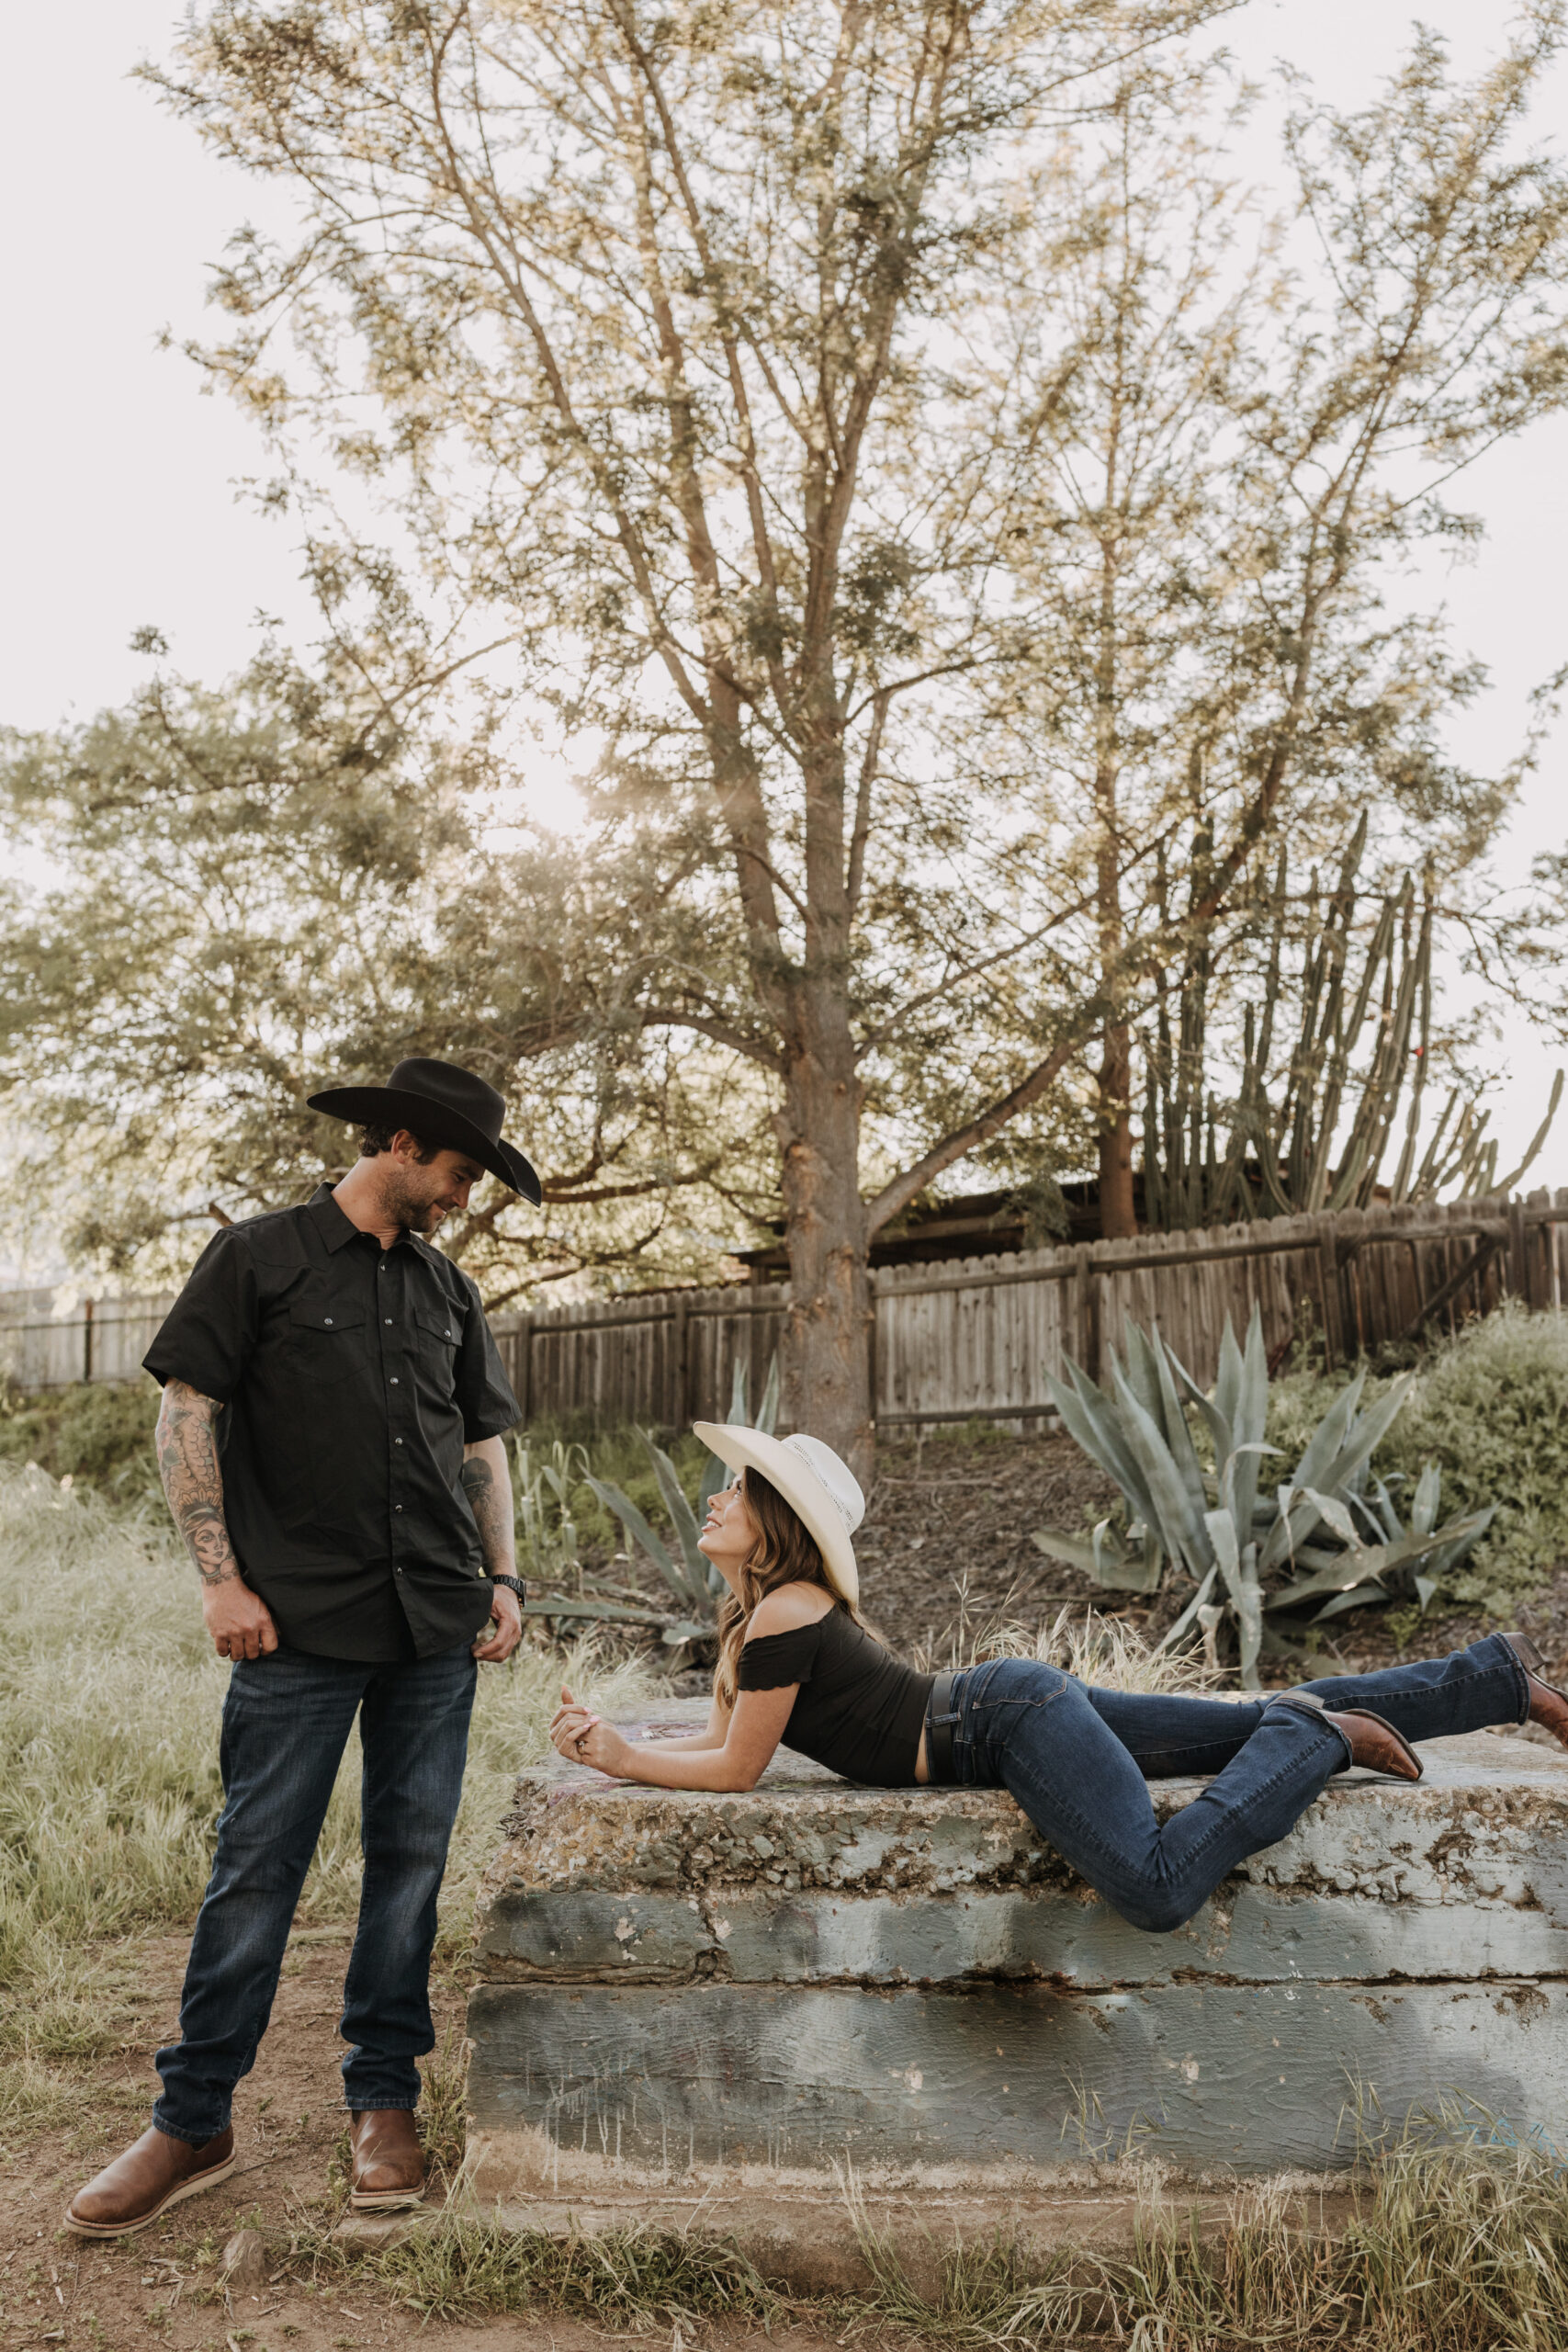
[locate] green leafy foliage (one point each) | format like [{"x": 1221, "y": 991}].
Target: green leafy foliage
[
  {"x": 1330, "y": 1530},
  {"x": 1487, "y": 1408},
  {"x": 96, "y": 1433}
]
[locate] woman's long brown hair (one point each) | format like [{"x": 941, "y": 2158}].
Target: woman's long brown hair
[{"x": 785, "y": 1552}]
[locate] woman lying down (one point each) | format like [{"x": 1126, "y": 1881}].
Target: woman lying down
[{"x": 796, "y": 1663}]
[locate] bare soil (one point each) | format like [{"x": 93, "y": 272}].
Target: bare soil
[
  {"x": 162, "y": 2287},
  {"x": 946, "y": 1551}
]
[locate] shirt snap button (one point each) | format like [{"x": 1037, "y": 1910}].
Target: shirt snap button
[
  {"x": 328, "y": 1321},
  {"x": 388, "y": 1320},
  {"x": 394, "y": 1380}
]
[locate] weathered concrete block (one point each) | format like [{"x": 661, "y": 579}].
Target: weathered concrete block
[{"x": 722, "y": 1996}]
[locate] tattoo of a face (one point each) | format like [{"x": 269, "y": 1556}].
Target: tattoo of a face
[{"x": 192, "y": 1482}]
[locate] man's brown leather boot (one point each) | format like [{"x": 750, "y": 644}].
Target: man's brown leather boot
[
  {"x": 389, "y": 2163},
  {"x": 154, "y": 2174}
]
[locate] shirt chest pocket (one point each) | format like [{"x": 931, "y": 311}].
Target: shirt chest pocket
[
  {"x": 326, "y": 1340},
  {"x": 440, "y": 1330}
]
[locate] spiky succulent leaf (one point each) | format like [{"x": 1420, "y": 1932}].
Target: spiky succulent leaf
[
  {"x": 694, "y": 1561},
  {"x": 1184, "y": 1535},
  {"x": 1249, "y": 1419},
  {"x": 639, "y": 1532},
  {"x": 1178, "y": 1432},
  {"x": 1365, "y": 1435},
  {"x": 1363, "y": 1596},
  {"x": 1102, "y": 1556},
  {"x": 1168, "y": 1640},
  {"x": 1091, "y": 1421},
  {"x": 1239, "y": 1570}
]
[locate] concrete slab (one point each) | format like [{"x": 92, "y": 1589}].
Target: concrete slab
[{"x": 732, "y": 1999}]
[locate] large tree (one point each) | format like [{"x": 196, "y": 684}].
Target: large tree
[
  {"x": 661, "y": 329},
  {"x": 251, "y": 891},
  {"x": 710, "y": 362}
]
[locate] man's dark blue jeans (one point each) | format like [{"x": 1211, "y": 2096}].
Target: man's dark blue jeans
[
  {"x": 286, "y": 1723},
  {"x": 1077, "y": 1760}
]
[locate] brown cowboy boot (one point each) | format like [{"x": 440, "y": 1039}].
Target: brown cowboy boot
[
  {"x": 1372, "y": 1742},
  {"x": 154, "y": 2174},
  {"x": 389, "y": 2163},
  {"x": 1549, "y": 1705}
]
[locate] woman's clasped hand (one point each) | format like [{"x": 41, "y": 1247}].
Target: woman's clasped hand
[{"x": 578, "y": 1735}]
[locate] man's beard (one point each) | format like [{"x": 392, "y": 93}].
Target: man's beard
[{"x": 413, "y": 1209}]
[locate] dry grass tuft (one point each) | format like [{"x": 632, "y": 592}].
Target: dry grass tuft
[
  {"x": 1459, "y": 2243},
  {"x": 1103, "y": 1650},
  {"x": 625, "y": 2279}
]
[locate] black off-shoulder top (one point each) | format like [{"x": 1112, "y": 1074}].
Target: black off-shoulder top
[{"x": 858, "y": 1709}]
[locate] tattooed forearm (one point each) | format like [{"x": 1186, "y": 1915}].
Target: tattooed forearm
[
  {"x": 488, "y": 1490},
  {"x": 187, "y": 1462}
]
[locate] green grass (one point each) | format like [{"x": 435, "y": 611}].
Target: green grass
[{"x": 109, "y": 1792}]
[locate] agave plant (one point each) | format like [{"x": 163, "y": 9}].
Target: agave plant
[
  {"x": 1329, "y": 1531},
  {"x": 691, "y": 1575}
]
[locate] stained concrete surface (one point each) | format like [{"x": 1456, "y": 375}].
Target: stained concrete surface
[{"x": 749, "y": 1998}]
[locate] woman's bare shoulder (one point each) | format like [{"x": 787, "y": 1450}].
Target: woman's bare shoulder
[{"x": 787, "y": 1608}]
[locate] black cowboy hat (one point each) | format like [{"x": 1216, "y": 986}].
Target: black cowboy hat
[{"x": 441, "y": 1105}]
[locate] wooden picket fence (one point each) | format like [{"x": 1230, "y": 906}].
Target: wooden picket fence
[
  {"x": 960, "y": 1339},
  {"x": 975, "y": 1337}
]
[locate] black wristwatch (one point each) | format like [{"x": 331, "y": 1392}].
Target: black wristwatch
[{"x": 512, "y": 1584}]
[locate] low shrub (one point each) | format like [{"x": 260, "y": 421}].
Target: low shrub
[
  {"x": 1490, "y": 1408},
  {"x": 96, "y": 1433}
]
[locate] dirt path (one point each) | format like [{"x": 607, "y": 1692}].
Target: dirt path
[{"x": 161, "y": 2288}]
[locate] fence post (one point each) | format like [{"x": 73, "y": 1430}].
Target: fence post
[
  {"x": 1089, "y": 1312},
  {"x": 524, "y": 1365},
  {"x": 1518, "y": 1275},
  {"x": 1328, "y": 1283},
  {"x": 683, "y": 1370},
  {"x": 86, "y": 1339}
]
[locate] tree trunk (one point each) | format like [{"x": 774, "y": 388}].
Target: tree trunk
[
  {"x": 1118, "y": 1221},
  {"x": 827, "y": 1344}
]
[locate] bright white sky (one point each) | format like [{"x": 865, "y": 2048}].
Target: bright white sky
[{"x": 119, "y": 502}]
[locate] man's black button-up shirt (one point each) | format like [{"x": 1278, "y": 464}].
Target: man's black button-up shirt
[{"x": 351, "y": 1379}]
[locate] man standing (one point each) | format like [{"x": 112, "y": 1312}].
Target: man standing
[{"x": 330, "y": 1446}]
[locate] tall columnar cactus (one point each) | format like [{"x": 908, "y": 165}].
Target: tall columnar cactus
[{"x": 1362, "y": 1048}]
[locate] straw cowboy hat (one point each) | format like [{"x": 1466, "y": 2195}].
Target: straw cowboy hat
[
  {"x": 443, "y": 1105},
  {"x": 822, "y": 1491}
]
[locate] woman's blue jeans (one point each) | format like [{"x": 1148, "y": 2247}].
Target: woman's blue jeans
[
  {"x": 286, "y": 1723},
  {"x": 1077, "y": 1760}
]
